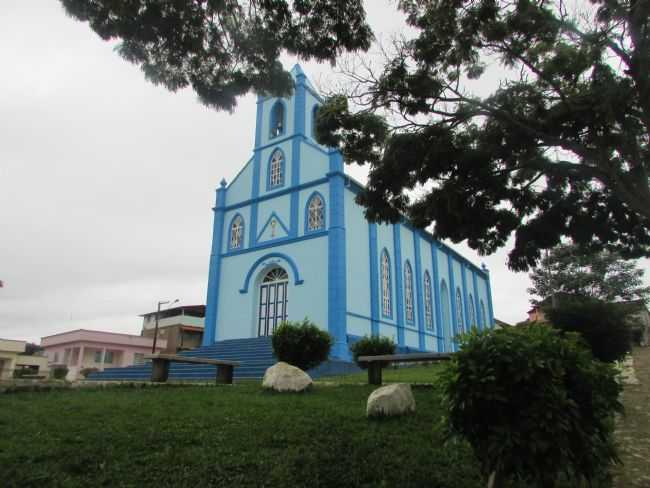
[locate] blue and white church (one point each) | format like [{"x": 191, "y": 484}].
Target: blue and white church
[{"x": 290, "y": 242}]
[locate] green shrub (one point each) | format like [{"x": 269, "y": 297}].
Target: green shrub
[
  {"x": 301, "y": 344},
  {"x": 604, "y": 326},
  {"x": 533, "y": 404},
  {"x": 371, "y": 346},
  {"x": 59, "y": 373}
]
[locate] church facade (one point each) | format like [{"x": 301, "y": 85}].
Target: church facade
[{"x": 290, "y": 242}]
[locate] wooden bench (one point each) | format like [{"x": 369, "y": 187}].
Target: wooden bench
[
  {"x": 160, "y": 366},
  {"x": 376, "y": 363}
]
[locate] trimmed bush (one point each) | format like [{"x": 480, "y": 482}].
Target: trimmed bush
[
  {"x": 371, "y": 346},
  {"x": 604, "y": 326},
  {"x": 533, "y": 404},
  {"x": 301, "y": 344},
  {"x": 59, "y": 373}
]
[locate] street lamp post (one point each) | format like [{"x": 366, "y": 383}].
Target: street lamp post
[{"x": 155, "y": 334}]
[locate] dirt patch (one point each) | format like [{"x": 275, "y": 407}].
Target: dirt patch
[{"x": 633, "y": 429}]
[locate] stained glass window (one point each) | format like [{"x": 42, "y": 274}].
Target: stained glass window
[
  {"x": 316, "y": 217},
  {"x": 428, "y": 304},
  {"x": 276, "y": 169},
  {"x": 385, "y": 283},
  {"x": 408, "y": 291},
  {"x": 236, "y": 233}
]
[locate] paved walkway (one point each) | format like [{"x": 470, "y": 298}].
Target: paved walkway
[{"x": 633, "y": 430}]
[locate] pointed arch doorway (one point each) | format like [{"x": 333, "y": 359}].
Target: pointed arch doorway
[{"x": 272, "y": 306}]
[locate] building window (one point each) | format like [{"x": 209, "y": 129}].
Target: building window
[
  {"x": 276, "y": 170},
  {"x": 483, "y": 316},
  {"x": 108, "y": 357},
  {"x": 56, "y": 357},
  {"x": 385, "y": 284},
  {"x": 236, "y": 233},
  {"x": 277, "y": 119},
  {"x": 408, "y": 292},
  {"x": 446, "y": 316},
  {"x": 314, "y": 117},
  {"x": 272, "y": 308},
  {"x": 138, "y": 358},
  {"x": 459, "y": 312},
  {"x": 315, "y": 213},
  {"x": 472, "y": 312},
  {"x": 428, "y": 303},
  {"x": 98, "y": 356}
]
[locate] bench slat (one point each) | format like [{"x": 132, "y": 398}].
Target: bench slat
[
  {"x": 406, "y": 358},
  {"x": 190, "y": 359}
]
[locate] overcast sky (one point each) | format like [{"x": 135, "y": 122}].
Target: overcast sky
[{"x": 107, "y": 182}]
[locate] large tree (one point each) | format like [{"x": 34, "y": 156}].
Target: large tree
[
  {"x": 559, "y": 149},
  {"x": 225, "y": 48},
  {"x": 566, "y": 270}
]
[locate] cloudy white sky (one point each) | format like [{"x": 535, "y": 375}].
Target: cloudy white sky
[{"x": 107, "y": 182}]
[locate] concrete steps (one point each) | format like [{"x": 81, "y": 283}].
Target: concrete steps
[{"x": 255, "y": 355}]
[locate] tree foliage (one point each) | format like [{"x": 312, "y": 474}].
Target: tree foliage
[
  {"x": 605, "y": 327},
  {"x": 533, "y": 404},
  {"x": 224, "y": 48},
  {"x": 599, "y": 275},
  {"x": 559, "y": 149}
]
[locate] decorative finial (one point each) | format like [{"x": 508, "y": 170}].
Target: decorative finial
[
  {"x": 223, "y": 183},
  {"x": 484, "y": 267}
]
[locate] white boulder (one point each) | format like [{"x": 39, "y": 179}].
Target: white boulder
[
  {"x": 391, "y": 400},
  {"x": 284, "y": 377}
]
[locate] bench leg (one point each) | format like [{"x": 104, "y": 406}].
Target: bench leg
[
  {"x": 159, "y": 370},
  {"x": 374, "y": 373},
  {"x": 224, "y": 374}
]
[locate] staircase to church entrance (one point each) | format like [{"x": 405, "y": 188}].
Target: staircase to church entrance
[{"x": 255, "y": 356}]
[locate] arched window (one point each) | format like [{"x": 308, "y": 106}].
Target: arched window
[
  {"x": 272, "y": 309},
  {"x": 446, "y": 315},
  {"x": 315, "y": 213},
  {"x": 428, "y": 304},
  {"x": 385, "y": 285},
  {"x": 276, "y": 170},
  {"x": 314, "y": 117},
  {"x": 472, "y": 312},
  {"x": 408, "y": 292},
  {"x": 459, "y": 312},
  {"x": 236, "y": 233},
  {"x": 483, "y": 316},
  {"x": 277, "y": 119}
]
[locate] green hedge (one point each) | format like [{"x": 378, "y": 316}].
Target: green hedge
[
  {"x": 533, "y": 404},
  {"x": 371, "y": 346},
  {"x": 301, "y": 344}
]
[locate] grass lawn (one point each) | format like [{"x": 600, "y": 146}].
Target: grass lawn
[
  {"x": 225, "y": 436},
  {"x": 421, "y": 374}
]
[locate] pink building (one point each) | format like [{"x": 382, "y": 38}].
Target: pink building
[{"x": 80, "y": 349}]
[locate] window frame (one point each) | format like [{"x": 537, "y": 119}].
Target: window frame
[
  {"x": 460, "y": 324},
  {"x": 386, "y": 285},
  {"x": 273, "y": 119},
  {"x": 283, "y": 170},
  {"x": 315, "y": 194},
  {"x": 242, "y": 235},
  {"x": 428, "y": 302},
  {"x": 409, "y": 299}
]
